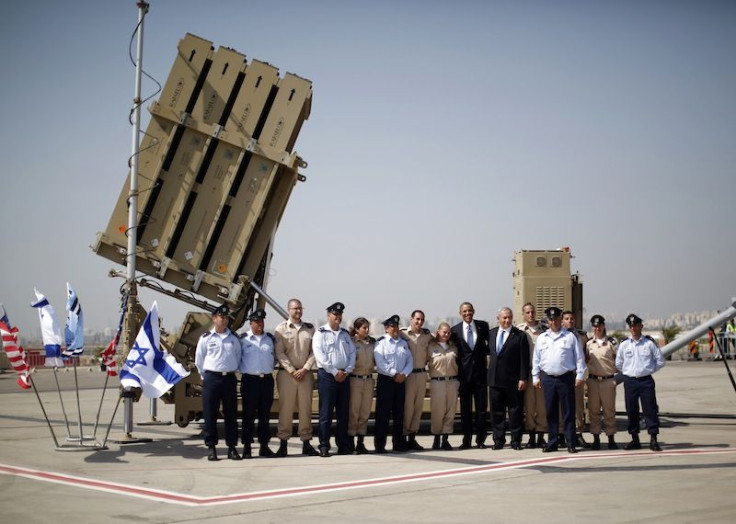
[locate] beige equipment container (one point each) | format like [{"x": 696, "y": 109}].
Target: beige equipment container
[
  {"x": 544, "y": 278},
  {"x": 216, "y": 169}
]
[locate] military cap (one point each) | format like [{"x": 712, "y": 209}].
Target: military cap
[
  {"x": 393, "y": 320},
  {"x": 258, "y": 314},
  {"x": 337, "y": 307},
  {"x": 553, "y": 312},
  {"x": 597, "y": 320},
  {"x": 633, "y": 319},
  {"x": 222, "y": 310}
]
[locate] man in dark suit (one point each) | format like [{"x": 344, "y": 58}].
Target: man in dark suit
[
  {"x": 508, "y": 370},
  {"x": 471, "y": 338}
]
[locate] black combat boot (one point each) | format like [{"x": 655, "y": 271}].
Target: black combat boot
[
  {"x": 653, "y": 444},
  {"x": 436, "y": 442},
  {"x": 308, "y": 449},
  {"x": 612, "y": 442},
  {"x": 596, "y": 442},
  {"x": 446, "y": 443},
  {"x": 412, "y": 443},
  {"x": 532, "y": 440},
  {"x": 265, "y": 451},
  {"x": 360, "y": 448},
  {"x": 282, "y": 449},
  {"x": 247, "y": 454},
  {"x": 634, "y": 444}
]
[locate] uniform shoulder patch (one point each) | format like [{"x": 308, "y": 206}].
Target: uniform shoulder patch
[
  {"x": 371, "y": 340},
  {"x": 322, "y": 330},
  {"x": 308, "y": 325},
  {"x": 426, "y": 331},
  {"x": 648, "y": 337},
  {"x": 612, "y": 341},
  {"x": 380, "y": 338}
]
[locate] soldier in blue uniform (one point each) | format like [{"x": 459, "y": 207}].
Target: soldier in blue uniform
[
  {"x": 637, "y": 359},
  {"x": 559, "y": 364},
  {"x": 256, "y": 384},
  {"x": 393, "y": 363},
  {"x": 334, "y": 354},
  {"x": 217, "y": 358}
]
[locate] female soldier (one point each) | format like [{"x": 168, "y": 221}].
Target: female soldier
[
  {"x": 443, "y": 385},
  {"x": 361, "y": 384},
  {"x": 601, "y": 351}
]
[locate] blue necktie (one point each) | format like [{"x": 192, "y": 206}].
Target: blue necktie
[
  {"x": 470, "y": 338},
  {"x": 500, "y": 343}
]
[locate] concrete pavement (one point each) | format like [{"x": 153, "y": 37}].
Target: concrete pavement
[{"x": 170, "y": 480}]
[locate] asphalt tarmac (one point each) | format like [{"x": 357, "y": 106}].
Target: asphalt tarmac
[{"x": 169, "y": 479}]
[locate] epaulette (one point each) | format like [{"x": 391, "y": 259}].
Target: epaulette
[
  {"x": 404, "y": 329},
  {"x": 273, "y": 339},
  {"x": 371, "y": 339},
  {"x": 206, "y": 334},
  {"x": 426, "y": 331},
  {"x": 380, "y": 338},
  {"x": 322, "y": 330},
  {"x": 308, "y": 325},
  {"x": 650, "y": 338},
  {"x": 345, "y": 330},
  {"x": 612, "y": 341}
]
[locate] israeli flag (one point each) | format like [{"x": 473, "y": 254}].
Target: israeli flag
[
  {"x": 50, "y": 330},
  {"x": 146, "y": 366},
  {"x": 74, "y": 329}
]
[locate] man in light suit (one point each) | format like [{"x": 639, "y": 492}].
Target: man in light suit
[
  {"x": 471, "y": 338},
  {"x": 508, "y": 371}
]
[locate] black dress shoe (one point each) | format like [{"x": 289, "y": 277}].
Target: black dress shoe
[
  {"x": 481, "y": 445},
  {"x": 549, "y": 449},
  {"x": 344, "y": 451},
  {"x": 308, "y": 449},
  {"x": 212, "y": 454},
  {"x": 498, "y": 445},
  {"x": 282, "y": 449},
  {"x": 401, "y": 448},
  {"x": 580, "y": 441},
  {"x": 247, "y": 454},
  {"x": 380, "y": 451},
  {"x": 464, "y": 446},
  {"x": 360, "y": 449},
  {"x": 265, "y": 451},
  {"x": 572, "y": 449},
  {"x": 634, "y": 444},
  {"x": 654, "y": 445},
  {"x": 324, "y": 453},
  {"x": 446, "y": 446},
  {"x": 541, "y": 442},
  {"x": 232, "y": 454},
  {"x": 516, "y": 446}
]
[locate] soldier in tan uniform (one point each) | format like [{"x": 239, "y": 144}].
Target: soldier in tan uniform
[
  {"x": 568, "y": 322},
  {"x": 416, "y": 383},
  {"x": 443, "y": 385},
  {"x": 295, "y": 380},
  {"x": 361, "y": 384},
  {"x": 535, "y": 414},
  {"x": 601, "y": 351}
]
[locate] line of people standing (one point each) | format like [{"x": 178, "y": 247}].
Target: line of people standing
[{"x": 529, "y": 375}]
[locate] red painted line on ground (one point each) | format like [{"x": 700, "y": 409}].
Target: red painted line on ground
[{"x": 193, "y": 500}]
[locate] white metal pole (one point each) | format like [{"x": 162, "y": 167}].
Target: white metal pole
[{"x": 133, "y": 199}]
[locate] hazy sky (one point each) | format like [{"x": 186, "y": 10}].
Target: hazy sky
[{"x": 444, "y": 136}]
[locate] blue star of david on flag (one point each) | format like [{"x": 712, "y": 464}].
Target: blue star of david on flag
[{"x": 152, "y": 370}]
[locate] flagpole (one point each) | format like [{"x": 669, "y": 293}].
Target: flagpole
[
  {"x": 130, "y": 320},
  {"x": 79, "y": 406},
  {"x": 51, "y": 429},
  {"x": 99, "y": 409},
  {"x": 61, "y": 401}
]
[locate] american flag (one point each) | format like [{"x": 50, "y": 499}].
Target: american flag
[
  {"x": 16, "y": 355},
  {"x": 108, "y": 356}
]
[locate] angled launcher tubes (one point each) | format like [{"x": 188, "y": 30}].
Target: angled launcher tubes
[{"x": 216, "y": 170}]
